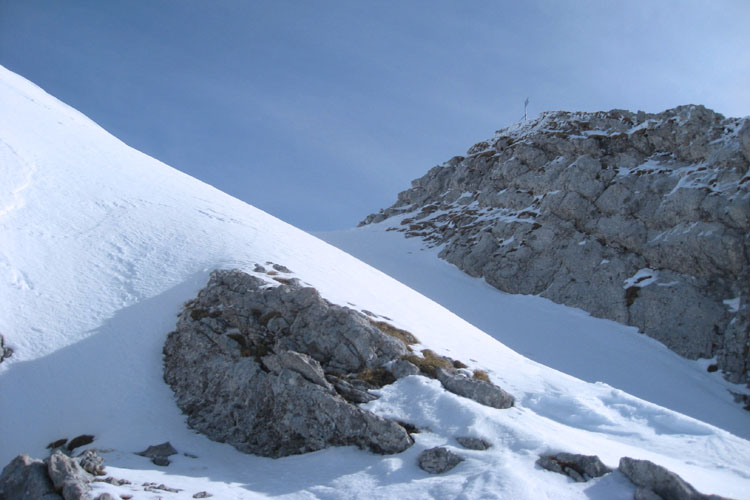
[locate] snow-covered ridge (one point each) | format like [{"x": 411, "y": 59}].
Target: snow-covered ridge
[
  {"x": 102, "y": 245},
  {"x": 570, "y": 205}
]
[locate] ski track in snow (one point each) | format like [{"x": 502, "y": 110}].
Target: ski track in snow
[{"x": 110, "y": 243}]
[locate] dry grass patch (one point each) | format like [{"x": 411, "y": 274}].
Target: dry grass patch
[
  {"x": 430, "y": 362},
  {"x": 406, "y": 337},
  {"x": 482, "y": 375},
  {"x": 377, "y": 377}
]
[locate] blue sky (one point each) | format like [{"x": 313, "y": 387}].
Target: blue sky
[{"x": 321, "y": 112}]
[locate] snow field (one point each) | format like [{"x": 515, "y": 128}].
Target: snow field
[{"x": 100, "y": 247}]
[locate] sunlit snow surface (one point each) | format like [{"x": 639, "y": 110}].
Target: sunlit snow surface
[{"x": 100, "y": 246}]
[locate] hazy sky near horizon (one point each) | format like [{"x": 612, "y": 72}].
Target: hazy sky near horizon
[{"x": 321, "y": 112}]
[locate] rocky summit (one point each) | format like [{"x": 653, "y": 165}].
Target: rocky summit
[{"x": 636, "y": 217}]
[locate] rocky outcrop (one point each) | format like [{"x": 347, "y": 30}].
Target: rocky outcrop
[
  {"x": 58, "y": 477},
  {"x": 656, "y": 482},
  {"x": 639, "y": 218},
  {"x": 438, "y": 460},
  {"x": 580, "y": 468},
  {"x": 261, "y": 366}
]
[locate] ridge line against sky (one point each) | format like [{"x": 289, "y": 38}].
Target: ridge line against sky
[{"x": 320, "y": 113}]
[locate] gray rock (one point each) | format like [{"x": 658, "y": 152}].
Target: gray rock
[
  {"x": 5, "y": 352},
  {"x": 300, "y": 363},
  {"x": 24, "y": 478},
  {"x": 161, "y": 461},
  {"x": 653, "y": 479},
  {"x": 352, "y": 390},
  {"x": 250, "y": 365},
  {"x": 645, "y": 494},
  {"x": 105, "y": 496},
  {"x": 158, "y": 450},
  {"x": 158, "y": 453},
  {"x": 438, "y": 460},
  {"x": 402, "y": 368},
  {"x": 202, "y": 494},
  {"x": 478, "y": 390},
  {"x": 68, "y": 476},
  {"x": 580, "y": 468},
  {"x": 92, "y": 463},
  {"x": 572, "y": 205},
  {"x": 472, "y": 443}
]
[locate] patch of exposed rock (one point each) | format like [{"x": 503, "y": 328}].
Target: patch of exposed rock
[
  {"x": 472, "y": 443},
  {"x": 580, "y": 468},
  {"x": 639, "y": 218},
  {"x": 656, "y": 482},
  {"x": 58, "y": 477},
  {"x": 438, "y": 460},
  {"x": 480, "y": 391},
  {"x": 159, "y": 453},
  {"x": 5, "y": 352},
  {"x": 251, "y": 364}
]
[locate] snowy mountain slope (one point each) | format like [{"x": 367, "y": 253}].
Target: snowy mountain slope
[
  {"x": 558, "y": 336},
  {"x": 101, "y": 245}
]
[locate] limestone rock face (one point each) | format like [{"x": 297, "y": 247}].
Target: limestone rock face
[
  {"x": 250, "y": 365},
  {"x": 639, "y": 218}
]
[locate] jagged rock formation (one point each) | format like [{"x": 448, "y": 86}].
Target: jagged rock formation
[
  {"x": 249, "y": 363},
  {"x": 640, "y": 218}
]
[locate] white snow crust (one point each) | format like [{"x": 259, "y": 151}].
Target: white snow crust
[{"x": 100, "y": 245}]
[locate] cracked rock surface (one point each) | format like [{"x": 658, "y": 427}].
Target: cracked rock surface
[
  {"x": 251, "y": 364},
  {"x": 639, "y": 218}
]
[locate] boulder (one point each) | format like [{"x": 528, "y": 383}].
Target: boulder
[
  {"x": 68, "y": 476},
  {"x": 402, "y": 368},
  {"x": 24, "y": 478},
  {"x": 438, "y": 460},
  {"x": 482, "y": 392},
  {"x": 272, "y": 369},
  {"x": 472, "y": 443},
  {"x": 580, "y": 468},
  {"x": 159, "y": 453},
  {"x": 655, "y": 481},
  {"x": 91, "y": 462}
]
